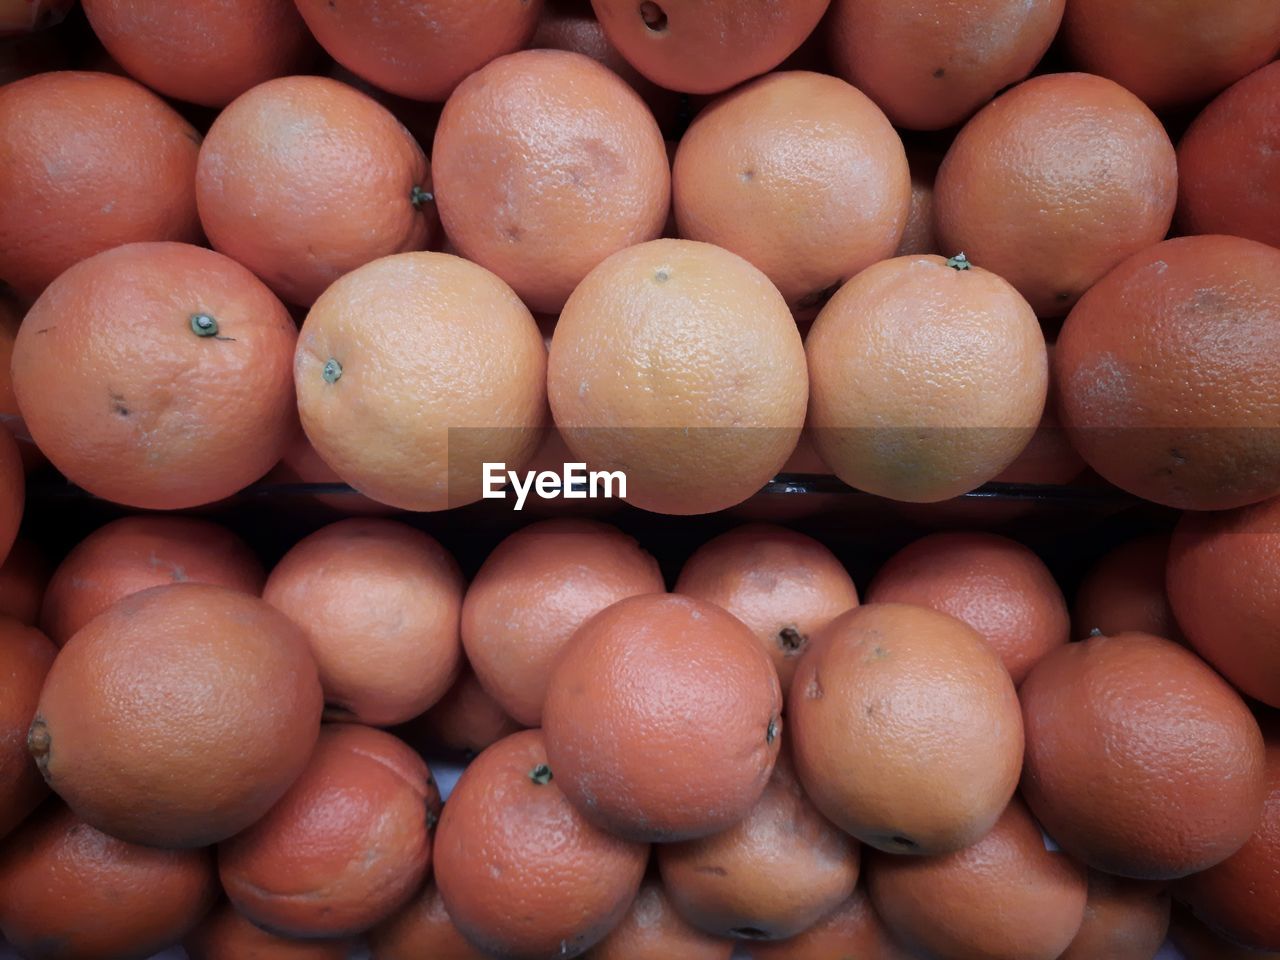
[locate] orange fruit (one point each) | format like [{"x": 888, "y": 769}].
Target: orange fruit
[
  {"x": 576, "y": 169},
  {"x": 205, "y": 52},
  {"x": 277, "y": 189},
  {"x": 1141, "y": 761},
  {"x": 68, "y": 892},
  {"x": 380, "y": 604},
  {"x": 928, "y": 70},
  {"x": 23, "y": 577},
  {"x": 348, "y": 844},
  {"x": 1219, "y": 557},
  {"x": 13, "y": 491},
  {"x": 1229, "y": 158},
  {"x": 466, "y": 719},
  {"x": 1168, "y": 371},
  {"x": 653, "y": 930},
  {"x": 1124, "y": 592},
  {"x": 1006, "y": 897},
  {"x": 1198, "y": 942},
  {"x": 422, "y": 929},
  {"x": 66, "y": 137},
  {"x": 535, "y": 589},
  {"x": 905, "y": 729},
  {"x": 994, "y": 584},
  {"x": 226, "y": 935},
  {"x": 784, "y": 585},
  {"x": 707, "y": 47},
  {"x": 1049, "y": 458},
  {"x": 302, "y": 465},
  {"x": 419, "y": 51},
  {"x": 927, "y": 377},
  {"x": 11, "y": 312},
  {"x": 178, "y": 717},
  {"x": 679, "y": 363},
  {"x": 520, "y": 871},
  {"x": 1171, "y": 52},
  {"x": 852, "y": 930},
  {"x": 1054, "y": 183},
  {"x": 1123, "y": 920},
  {"x": 134, "y": 553},
  {"x": 415, "y": 370},
  {"x": 25, "y": 657},
  {"x": 800, "y": 174},
  {"x": 772, "y": 875},
  {"x": 918, "y": 236},
  {"x": 662, "y": 719},
  {"x": 157, "y": 375}
]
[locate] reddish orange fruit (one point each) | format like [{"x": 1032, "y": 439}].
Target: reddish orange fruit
[
  {"x": 852, "y": 930},
  {"x": 23, "y": 577},
  {"x": 226, "y": 935},
  {"x": 707, "y": 47},
  {"x": 1172, "y": 52},
  {"x": 345, "y": 847},
  {"x": 134, "y": 553},
  {"x": 784, "y": 585},
  {"x": 1198, "y": 942},
  {"x": 422, "y": 929},
  {"x": 68, "y": 892},
  {"x": 1141, "y": 761},
  {"x": 1049, "y": 458},
  {"x": 576, "y": 170},
  {"x": 69, "y": 136},
  {"x": 1123, "y": 920},
  {"x": 535, "y": 589},
  {"x": 25, "y": 657},
  {"x": 520, "y": 871},
  {"x": 1169, "y": 372},
  {"x": 415, "y": 51},
  {"x": 1124, "y": 592},
  {"x": 653, "y": 930},
  {"x": 13, "y": 491},
  {"x": 205, "y": 52},
  {"x": 1054, "y": 183},
  {"x": 639, "y": 723},
  {"x": 1229, "y": 158},
  {"x": 919, "y": 235},
  {"x": 927, "y": 70},
  {"x": 465, "y": 719},
  {"x": 157, "y": 375},
  {"x": 178, "y": 717}
]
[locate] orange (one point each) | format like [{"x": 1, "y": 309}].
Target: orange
[
  {"x": 927, "y": 378},
  {"x": 380, "y": 604},
  {"x": 302, "y": 465},
  {"x": 707, "y": 47},
  {"x": 178, "y": 717},
  {"x": 11, "y": 312},
  {"x": 25, "y": 657},
  {"x": 303, "y": 179},
  {"x": 157, "y": 375},
  {"x": 852, "y": 930},
  {"x": 575, "y": 169},
  {"x": 68, "y": 892},
  {"x": 1006, "y": 897},
  {"x": 1225, "y": 592},
  {"x": 1198, "y": 942},
  {"x": 1123, "y": 920},
  {"x": 1169, "y": 372},
  {"x": 1054, "y": 183},
  {"x": 1124, "y": 592},
  {"x": 662, "y": 719},
  {"x": 1141, "y": 761},
  {"x": 466, "y": 719},
  {"x": 206, "y": 52},
  {"x": 422, "y": 929},
  {"x": 418, "y": 50},
  {"x": 918, "y": 235},
  {"x": 535, "y": 589},
  {"x": 13, "y": 491},
  {"x": 520, "y": 871},
  {"x": 929, "y": 68},
  {"x": 905, "y": 729},
  {"x": 1228, "y": 160},
  {"x": 784, "y": 585},
  {"x": 415, "y": 370},
  {"x": 227, "y": 935},
  {"x": 1049, "y": 458},
  {"x": 1172, "y": 52},
  {"x": 679, "y": 363},
  {"x": 992, "y": 583},
  {"x": 66, "y": 137},
  {"x": 23, "y": 577},
  {"x": 348, "y": 844},
  {"x": 134, "y": 553},
  {"x": 652, "y": 930},
  {"x": 800, "y": 174},
  {"x": 772, "y": 875}
]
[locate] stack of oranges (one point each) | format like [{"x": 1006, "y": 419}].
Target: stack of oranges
[{"x": 920, "y": 246}]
